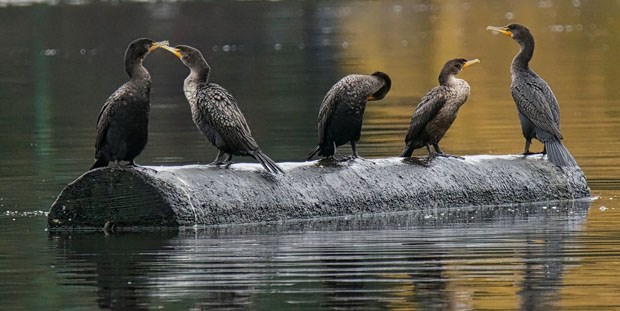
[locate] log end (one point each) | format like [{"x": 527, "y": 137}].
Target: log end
[{"x": 110, "y": 197}]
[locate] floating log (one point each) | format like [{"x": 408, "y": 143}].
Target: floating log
[{"x": 148, "y": 196}]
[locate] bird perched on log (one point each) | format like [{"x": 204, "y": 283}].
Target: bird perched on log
[
  {"x": 538, "y": 108},
  {"x": 122, "y": 126},
  {"x": 436, "y": 111},
  {"x": 216, "y": 114},
  {"x": 342, "y": 111}
]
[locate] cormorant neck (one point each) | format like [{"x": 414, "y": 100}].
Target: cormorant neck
[
  {"x": 200, "y": 72},
  {"x": 136, "y": 70},
  {"x": 200, "y": 75},
  {"x": 446, "y": 78},
  {"x": 522, "y": 60}
]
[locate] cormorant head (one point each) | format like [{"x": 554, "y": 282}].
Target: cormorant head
[
  {"x": 453, "y": 67},
  {"x": 137, "y": 51},
  {"x": 517, "y": 32},
  {"x": 189, "y": 56},
  {"x": 387, "y": 84}
]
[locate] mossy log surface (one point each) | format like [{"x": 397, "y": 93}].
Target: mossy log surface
[{"x": 141, "y": 197}]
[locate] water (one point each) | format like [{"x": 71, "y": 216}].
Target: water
[{"x": 61, "y": 60}]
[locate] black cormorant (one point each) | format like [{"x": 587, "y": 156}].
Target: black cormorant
[
  {"x": 342, "y": 111},
  {"x": 216, "y": 114},
  {"x": 538, "y": 108},
  {"x": 122, "y": 126},
  {"x": 436, "y": 111}
]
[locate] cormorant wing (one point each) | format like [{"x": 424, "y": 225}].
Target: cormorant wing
[
  {"x": 425, "y": 111},
  {"x": 105, "y": 115},
  {"x": 102, "y": 127},
  {"x": 553, "y": 102},
  {"x": 222, "y": 113},
  {"x": 535, "y": 101},
  {"x": 325, "y": 113}
]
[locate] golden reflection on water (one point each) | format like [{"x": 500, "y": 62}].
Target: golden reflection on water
[
  {"x": 576, "y": 51},
  {"x": 574, "y": 54},
  {"x": 595, "y": 259}
]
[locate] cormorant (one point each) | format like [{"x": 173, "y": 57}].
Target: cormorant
[
  {"x": 122, "y": 126},
  {"x": 216, "y": 114},
  {"x": 538, "y": 108},
  {"x": 342, "y": 111},
  {"x": 436, "y": 111}
]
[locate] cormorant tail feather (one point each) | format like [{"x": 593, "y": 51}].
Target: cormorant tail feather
[
  {"x": 268, "y": 163},
  {"x": 558, "y": 154},
  {"x": 407, "y": 152},
  {"x": 313, "y": 152},
  {"x": 99, "y": 163}
]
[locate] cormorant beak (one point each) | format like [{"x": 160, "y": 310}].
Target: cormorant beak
[
  {"x": 502, "y": 30},
  {"x": 172, "y": 50},
  {"x": 471, "y": 62},
  {"x": 157, "y": 45},
  {"x": 373, "y": 97}
]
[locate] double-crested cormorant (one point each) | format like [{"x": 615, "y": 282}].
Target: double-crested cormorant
[
  {"x": 538, "y": 108},
  {"x": 342, "y": 111},
  {"x": 437, "y": 109},
  {"x": 122, "y": 126},
  {"x": 216, "y": 114}
]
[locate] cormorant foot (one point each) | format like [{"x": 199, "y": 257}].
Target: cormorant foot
[
  {"x": 452, "y": 156},
  {"x": 446, "y": 155},
  {"x": 345, "y": 159},
  {"x": 328, "y": 161},
  {"x": 418, "y": 161}
]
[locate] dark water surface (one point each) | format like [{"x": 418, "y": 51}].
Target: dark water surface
[{"x": 61, "y": 60}]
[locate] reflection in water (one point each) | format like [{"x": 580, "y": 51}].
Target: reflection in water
[
  {"x": 114, "y": 266},
  {"x": 405, "y": 260},
  {"x": 430, "y": 285},
  {"x": 540, "y": 287}
]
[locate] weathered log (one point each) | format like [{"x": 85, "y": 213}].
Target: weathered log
[{"x": 205, "y": 195}]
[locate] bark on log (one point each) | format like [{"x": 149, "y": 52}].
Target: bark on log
[{"x": 205, "y": 195}]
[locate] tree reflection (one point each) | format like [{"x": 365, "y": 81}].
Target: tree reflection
[
  {"x": 544, "y": 267},
  {"x": 119, "y": 266},
  {"x": 430, "y": 284}
]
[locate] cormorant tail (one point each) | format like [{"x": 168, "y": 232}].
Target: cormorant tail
[
  {"x": 407, "y": 152},
  {"x": 313, "y": 152},
  {"x": 268, "y": 163},
  {"x": 99, "y": 163},
  {"x": 558, "y": 154}
]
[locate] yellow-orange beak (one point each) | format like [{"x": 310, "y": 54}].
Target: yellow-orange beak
[
  {"x": 157, "y": 45},
  {"x": 172, "y": 50},
  {"x": 471, "y": 62},
  {"x": 502, "y": 30}
]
